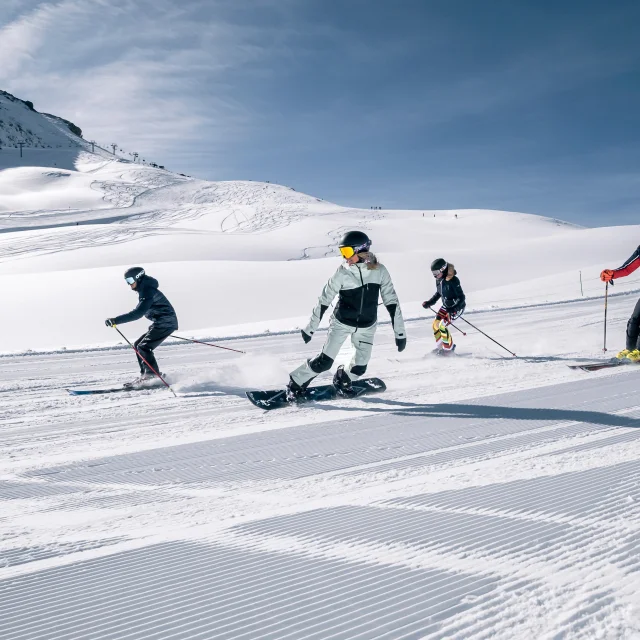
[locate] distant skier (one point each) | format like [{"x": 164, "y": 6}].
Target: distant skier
[
  {"x": 154, "y": 306},
  {"x": 357, "y": 283},
  {"x": 632, "y": 350},
  {"x": 453, "y": 303}
]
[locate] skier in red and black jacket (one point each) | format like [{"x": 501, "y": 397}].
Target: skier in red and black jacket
[{"x": 632, "y": 350}]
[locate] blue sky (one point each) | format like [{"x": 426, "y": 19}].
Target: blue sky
[{"x": 521, "y": 105}]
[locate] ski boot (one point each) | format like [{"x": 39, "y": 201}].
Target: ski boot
[
  {"x": 296, "y": 391},
  {"x": 342, "y": 383},
  {"x": 447, "y": 352},
  {"x": 147, "y": 379},
  {"x": 623, "y": 354},
  {"x": 634, "y": 356}
]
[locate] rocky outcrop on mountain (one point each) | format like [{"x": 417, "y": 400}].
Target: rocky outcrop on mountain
[{"x": 21, "y": 123}]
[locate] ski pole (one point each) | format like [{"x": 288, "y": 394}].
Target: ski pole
[
  {"x": 209, "y": 344},
  {"x": 486, "y": 336},
  {"x": 606, "y": 296},
  {"x": 143, "y": 360},
  {"x": 451, "y": 323}
]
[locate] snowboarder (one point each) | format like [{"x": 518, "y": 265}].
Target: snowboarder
[
  {"x": 357, "y": 283},
  {"x": 154, "y": 306},
  {"x": 453, "y": 303},
  {"x": 632, "y": 350}
]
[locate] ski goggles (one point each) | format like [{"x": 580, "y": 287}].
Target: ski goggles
[
  {"x": 129, "y": 280},
  {"x": 438, "y": 273},
  {"x": 349, "y": 252}
]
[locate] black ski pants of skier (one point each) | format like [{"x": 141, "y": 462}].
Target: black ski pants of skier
[
  {"x": 148, "y": 342},
  {"x": 633, "y": 329}
]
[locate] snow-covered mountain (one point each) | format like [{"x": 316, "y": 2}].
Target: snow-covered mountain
[{"x": 20, "y": 122}]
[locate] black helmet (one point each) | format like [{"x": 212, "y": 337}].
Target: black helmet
[
  {"x": 133, "y": 274},
  {"x": 439, "y": 267},
  {"x": 357, "y": 240}
]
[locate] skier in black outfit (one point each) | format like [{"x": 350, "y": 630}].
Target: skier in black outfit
[
  {"x": 448, "y": 288},
  {"x": 154, "y": 306}
]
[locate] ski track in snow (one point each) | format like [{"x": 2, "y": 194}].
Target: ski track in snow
[{"x": 432, "y": 511}]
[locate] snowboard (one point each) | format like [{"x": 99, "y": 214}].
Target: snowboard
[
  {"x": 277, "y": 398},
  {"x": 603, "y": 364}
]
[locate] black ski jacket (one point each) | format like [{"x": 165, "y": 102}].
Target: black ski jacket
[
  {"x": 450, "y": 290},
  {"x": 152, "y": 304}
]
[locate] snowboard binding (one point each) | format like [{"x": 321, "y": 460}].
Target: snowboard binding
[{"x": 342, "y": 383}]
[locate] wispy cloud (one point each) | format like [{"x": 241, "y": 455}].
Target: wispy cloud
[
  {"x": 441, "y": 102},
  {"x": 151, "y": 76}
]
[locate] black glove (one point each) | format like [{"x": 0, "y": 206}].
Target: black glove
[
  {"x": 305, "y": 336},
  {"x": 429, "y": 303},
  {"x": 426, "y": 305},
  {"x": 109, "y": 322},
  {"x": 401, "y": 343}
]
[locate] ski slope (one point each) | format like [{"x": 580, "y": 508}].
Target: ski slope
[{"x": 481, "y": 496}]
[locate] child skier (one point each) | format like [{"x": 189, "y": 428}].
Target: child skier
[
  {"x": 453, "y": 303},
  {"x": 632, "y": 350},
  {"x": 357, "y": 283},
  {"x": 154, "y": 306}
]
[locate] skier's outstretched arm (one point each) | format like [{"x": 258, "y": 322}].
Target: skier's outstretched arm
[
  {"x": 391, "y": 302},
  {"x": 143, "y": 306},
  {"x": 629, "y": 266},
  {"x": 329, "y": 292}
]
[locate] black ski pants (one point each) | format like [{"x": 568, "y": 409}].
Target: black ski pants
[
  {"x": 148, "y": 342},
  {"x": 633, "y": 329}
]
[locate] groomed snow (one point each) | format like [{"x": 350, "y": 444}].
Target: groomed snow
[{"x": 480, "y": 496}]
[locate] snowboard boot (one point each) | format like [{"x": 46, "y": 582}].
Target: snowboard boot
[
  {"x": 342, "y": 383},
  {"x": 623, "y": 354},
  {"x": 295, "y": 390},
  {"x": 634, "y": 356}
]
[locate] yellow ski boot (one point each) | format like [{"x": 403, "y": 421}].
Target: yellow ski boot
[
  {"x": 623, "y": 354},
  {"x": 634, "y": 356}
]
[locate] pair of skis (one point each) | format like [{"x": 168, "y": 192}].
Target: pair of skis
[
  {"x": 603, "y": 364},
  {"x": 126, "y": 387}
]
